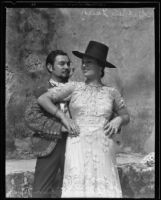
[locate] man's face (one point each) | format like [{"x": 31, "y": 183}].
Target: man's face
[{"x": 61, "y": 67}]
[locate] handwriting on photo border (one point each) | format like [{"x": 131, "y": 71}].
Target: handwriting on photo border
[{"x": 136, "y": 12}]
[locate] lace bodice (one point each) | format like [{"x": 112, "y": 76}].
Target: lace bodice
[{"x": 89, "y": 105}]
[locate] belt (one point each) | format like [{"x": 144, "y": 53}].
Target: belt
[{"x": 47, "y": 136}]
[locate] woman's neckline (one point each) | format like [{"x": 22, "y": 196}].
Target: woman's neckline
[{"x": 94, "y": 85}]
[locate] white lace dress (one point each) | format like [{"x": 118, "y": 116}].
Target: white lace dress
[{"x": 90, "y": 166}]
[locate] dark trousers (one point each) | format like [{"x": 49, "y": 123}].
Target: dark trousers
[{"x": 46, "y": 170}]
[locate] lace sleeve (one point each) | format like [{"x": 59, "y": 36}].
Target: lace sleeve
[
  {"x": 118, "y": 100},
  {"x": 62, "y": 92}
]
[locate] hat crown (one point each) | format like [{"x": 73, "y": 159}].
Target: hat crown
[{"x": 97, "y": 50}]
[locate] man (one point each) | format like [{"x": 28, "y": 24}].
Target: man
[{"x": 49, "y": 163}]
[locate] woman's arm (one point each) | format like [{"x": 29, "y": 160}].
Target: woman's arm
[
  {"x": 113, "y": 126},
  {"x": 58, "y": 94},
  {"x": 45, "y": 100},
  {"x": 124, "y": 116}
]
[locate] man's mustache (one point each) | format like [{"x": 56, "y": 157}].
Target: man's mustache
[{"x": 66, "y": 70}]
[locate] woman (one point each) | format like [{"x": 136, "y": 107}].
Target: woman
[{"x": 90, "y": 166}]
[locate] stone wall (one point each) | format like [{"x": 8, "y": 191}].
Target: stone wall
[
  {"x": 31, "y": 33},
  {"x": 137, "y": 181}
]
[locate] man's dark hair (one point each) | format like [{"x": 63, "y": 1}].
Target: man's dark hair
[{"x": 52, "y": 55}]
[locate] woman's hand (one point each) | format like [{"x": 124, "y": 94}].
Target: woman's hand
[
  {"x": 113, "y": 126},
  {"x": 70, "y": 125}
]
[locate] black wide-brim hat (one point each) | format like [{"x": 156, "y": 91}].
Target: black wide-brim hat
[{"x": 98, "y": 51}]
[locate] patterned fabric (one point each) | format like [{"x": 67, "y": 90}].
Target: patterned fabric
[
  {"x": 90, "y": 164},
  {"x": 46, "y": 129},
  {"x": 41, "y": 122}
]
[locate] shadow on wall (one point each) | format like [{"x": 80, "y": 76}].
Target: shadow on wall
[{"x": 149, "y": 145}]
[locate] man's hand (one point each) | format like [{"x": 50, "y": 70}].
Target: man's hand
[{"x": 113, "y": 126}]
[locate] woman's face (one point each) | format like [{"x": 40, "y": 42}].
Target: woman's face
[{"x": 90, "y": 68}]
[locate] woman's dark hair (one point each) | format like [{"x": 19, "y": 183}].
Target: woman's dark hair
[
  {"x": 102, "y": 72},
  {"x": 102, "y": 65},
  {"x": 52, "y": 55}
]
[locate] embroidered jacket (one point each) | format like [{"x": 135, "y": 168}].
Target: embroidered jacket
[{"x": 45, "y": 128}]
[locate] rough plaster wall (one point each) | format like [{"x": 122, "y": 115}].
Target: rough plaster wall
[{"x": 129, "y": 33}]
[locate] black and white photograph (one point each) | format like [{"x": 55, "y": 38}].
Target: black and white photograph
[{"x": 80, "y": 100}]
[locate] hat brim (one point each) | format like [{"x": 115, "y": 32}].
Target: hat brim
[{"x": 81, "y": 55}]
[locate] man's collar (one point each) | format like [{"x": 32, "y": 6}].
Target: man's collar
[{"x": 55, "y": 83}]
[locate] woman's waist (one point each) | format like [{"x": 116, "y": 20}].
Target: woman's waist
[
  {"x": 90, "y": 120},
  {"x": 92, "y": 125},
  {"x": 90, "y": 128}
]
